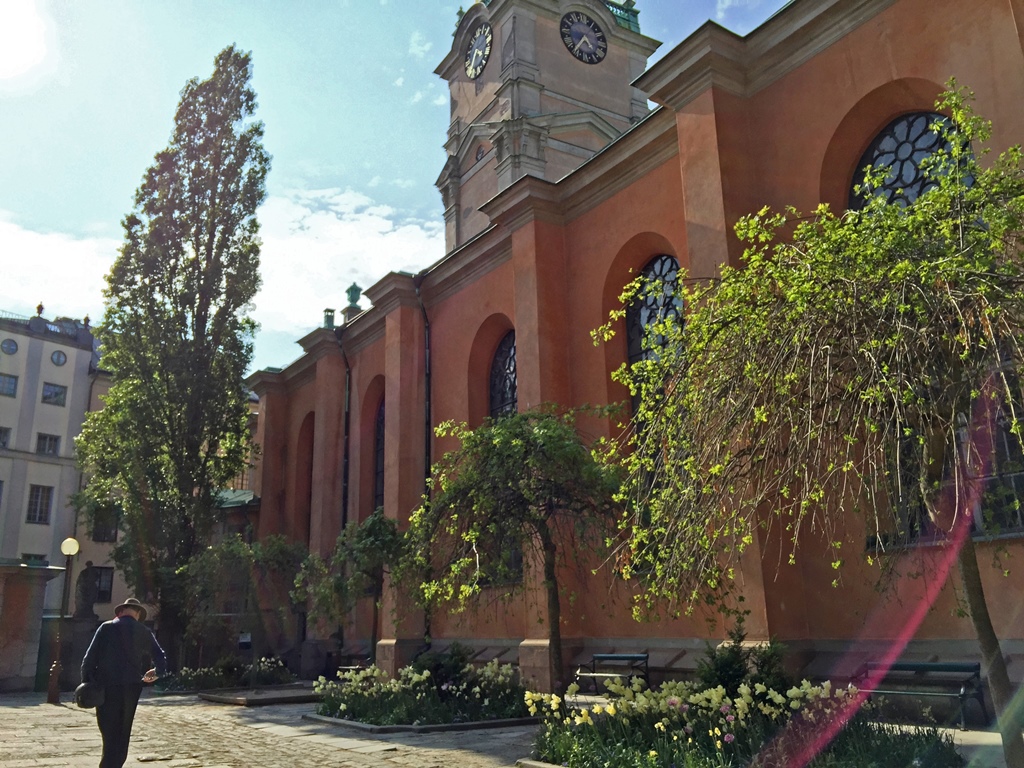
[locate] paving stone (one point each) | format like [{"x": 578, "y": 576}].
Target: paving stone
[{"x": 183, "y": 732}]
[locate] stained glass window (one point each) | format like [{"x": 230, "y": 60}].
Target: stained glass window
[
  {"x": 900, "y": 148},
  {"x": 378, "y": 458},
  {"x": 503, "y": 377},
  {"x": 657, "y": 301}
]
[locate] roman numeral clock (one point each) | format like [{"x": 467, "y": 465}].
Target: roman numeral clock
[
  {"x": 478, "y": 50},
  {"x": 583, "y": 37}
]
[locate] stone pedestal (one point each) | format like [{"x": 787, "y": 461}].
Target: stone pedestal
[
  {"x": 535, "y": 665},
  {"x": 313, "y": 659},
  {"x": 22, "y": 588},
  {"x": 78, "y": 634},
  {"x": 393, "y": 654}
]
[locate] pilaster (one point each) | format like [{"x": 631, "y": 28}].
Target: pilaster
[{"x": 402, "y": 625}]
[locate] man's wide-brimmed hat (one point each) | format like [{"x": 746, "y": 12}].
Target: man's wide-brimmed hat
[{"x": 131, "y": 602}]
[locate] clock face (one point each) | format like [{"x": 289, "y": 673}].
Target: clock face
[
  {"x": 479, "y": 50},
  {"x": 583, "y": 37}
]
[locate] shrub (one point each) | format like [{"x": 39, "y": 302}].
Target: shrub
[
  {"x": 228, "y": 672},
  {"x": 686, "y": 725},
  {"x": 437, "y": 688},
  {"x": 733, "y": 663}
]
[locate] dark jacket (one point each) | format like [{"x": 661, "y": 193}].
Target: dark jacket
[{"x": 121, "y": 652}]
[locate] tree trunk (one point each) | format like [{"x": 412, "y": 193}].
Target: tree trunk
[
  {"x": 378, "y": 595},
  {"x": 1009, "y": 716},
  {"x": 170, "y": 631},
  {"x": 554, "y": 609}
]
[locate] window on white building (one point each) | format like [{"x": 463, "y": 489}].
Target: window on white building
[
  {"x": 54, "y": 394},
  {"x": 40, "y": 502},
  {"x": 48, "y": 445},
  {"x": 8, "y": 385}
]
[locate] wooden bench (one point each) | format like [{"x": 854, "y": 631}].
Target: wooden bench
[
  {"x": 954, "y": 680},
  {"x": 606, "y": 666}
]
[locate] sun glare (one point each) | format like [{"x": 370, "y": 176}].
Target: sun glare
[{"x": 22, "y": 38}]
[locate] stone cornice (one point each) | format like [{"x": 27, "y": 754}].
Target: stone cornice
[
  {"x": 364, "y": 329},
  {"x": 648, "y": 146},
  {"x": 623, "y": 162},
  {"x": 714, "y": 56},
  {"x": 577, "y": 120},
  {"x": 395, "y": 289},
  {"x": 466, "y": 264},
  {"x": 527, "y": 200},
  {"x": 265, "y": 382},
  {"x": 319, "y": 342},
  {"x": 316, "y": 345}
]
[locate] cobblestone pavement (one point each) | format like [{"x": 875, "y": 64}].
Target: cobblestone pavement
[{"x": 183, "y": 732}]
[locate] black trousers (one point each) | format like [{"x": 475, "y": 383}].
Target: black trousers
[{"x": 114, "y": 718}]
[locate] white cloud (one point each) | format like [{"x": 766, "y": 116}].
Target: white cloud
[
  {"x": 724, "y": 7},
  {"x": 416, "y": 97},
  {"x": 317, "y": 243},
  {"x": 64, "y": 272},
  {"x": 400, "y": 82},
  {"x": 419, "y": 46},
  {"x": 440, "y": 101},
  {"x": 403, "y": 183},
  {"x": 28, "y": 45}
]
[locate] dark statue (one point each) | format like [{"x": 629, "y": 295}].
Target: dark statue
[{"x": 87, "y": 589}]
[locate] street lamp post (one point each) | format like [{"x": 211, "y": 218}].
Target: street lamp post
[{"x": 69, "y": 548}]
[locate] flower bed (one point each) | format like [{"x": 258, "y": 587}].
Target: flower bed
[
  {"x": 436, "y": 689},
  {"x": 682, "y": 725},
  {"x": 227, "y": 674}
]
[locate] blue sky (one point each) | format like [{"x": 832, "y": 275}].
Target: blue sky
[{"x": 355, "y": 120}]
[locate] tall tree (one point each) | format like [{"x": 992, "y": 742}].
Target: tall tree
[
  {"x": 364, "y": 553},
  {"x": 859, "y": 364},
  {"x": 518, "y": 488},
  {"x": 176, "y": 338}
]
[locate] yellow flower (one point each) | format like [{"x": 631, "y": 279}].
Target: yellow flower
[
  {"x": 598, "y": 709},
  {"x": 660, "y": 725},
  {"x": 611, "y": 710}
]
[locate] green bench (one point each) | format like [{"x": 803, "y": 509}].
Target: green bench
[
  {"x": 955, "y": 680},
  {"x": 606, "y": 666}
]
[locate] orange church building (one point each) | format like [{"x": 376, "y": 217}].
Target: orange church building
[{"x": 561, "y": 184}]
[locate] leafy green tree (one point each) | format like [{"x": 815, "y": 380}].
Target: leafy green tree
[
  {"x": 519, "y": 488},
  {"x": 853, "y": 365},
  {"x": 176, "y": 338},
  {"x": 363, "y": 554},
  {"x": 244, "y": 581}
]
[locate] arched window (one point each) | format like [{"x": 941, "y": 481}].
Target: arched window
[
  {"x": 378, "y": 457},
  {"x": 656, "y": 302},
  {"x": 503, "y": 378},
  {"x": 900, "y": 148}
]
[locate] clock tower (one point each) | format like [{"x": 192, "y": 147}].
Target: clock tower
[{"x": 538, "y": 87}]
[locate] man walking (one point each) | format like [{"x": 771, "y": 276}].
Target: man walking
[{"x": 118, "y": 659}]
